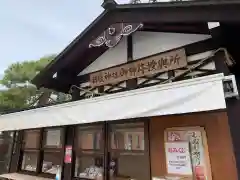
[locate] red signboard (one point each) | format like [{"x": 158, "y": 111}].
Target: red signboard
[{"x": 68, "y": 155}]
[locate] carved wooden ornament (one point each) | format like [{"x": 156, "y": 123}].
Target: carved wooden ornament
[{"x": 112, "y": 36}]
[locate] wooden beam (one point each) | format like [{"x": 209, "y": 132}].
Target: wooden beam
[
  {"x": 131, "y": 83},
  {"x": 221, "y": 66},
  {"x": 190, "y": 49},
  {"x": 60, "y": 85},
  {"x": 180, "y": 12},
  {"x": 75, "y": 93},
  {"x": 233, "y": 108},
  {"x": 82, "y": 62},
  {"x": 69, "y": 139},
  {"x": 190, "y": 28}
]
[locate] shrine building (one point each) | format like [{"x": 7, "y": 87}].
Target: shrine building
[{"x": 154, "y": 90}]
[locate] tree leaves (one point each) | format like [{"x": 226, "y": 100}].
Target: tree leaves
[
  {"x": 21, "y": 73},
  {"x": 20, "y": 93}
]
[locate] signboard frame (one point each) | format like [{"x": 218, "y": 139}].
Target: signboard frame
[{"x": 151, "y": 65}]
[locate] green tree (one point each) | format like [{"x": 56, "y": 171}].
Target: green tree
[{"x": 19, "y": 92}]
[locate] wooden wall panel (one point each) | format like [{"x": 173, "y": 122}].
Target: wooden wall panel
[
  {"x": 67, "y": 171},
  {"x": 219, "y": 141},
  {"x": 233, "y": 108}
]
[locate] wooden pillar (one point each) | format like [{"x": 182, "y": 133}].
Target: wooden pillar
[
  {"x": 75, "y": 94},
  {"x": 15, "y": 159},
  {"x": 220, "y": 63},
  {"x": 131, "y": 83},
  {"x": 68, "y": 170},
  {"x": 41, "y": 153},
  {"x": 233, "y": 109}
]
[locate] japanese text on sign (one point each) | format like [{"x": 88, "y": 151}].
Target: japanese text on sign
[
  {"x": 178, "y": 158},
  {"x": 148, "y": 66}
]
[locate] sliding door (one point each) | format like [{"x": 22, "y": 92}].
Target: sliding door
[{"x": 128, "y": 151}]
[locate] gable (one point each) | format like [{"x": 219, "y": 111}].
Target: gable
[
  {"x": 110, "y": 58},
  {"x": 149, "y": 43},
  {"x": 144, "y": 44},
  {"x": 75, "y": 57}
]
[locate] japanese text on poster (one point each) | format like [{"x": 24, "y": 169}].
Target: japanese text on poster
[{"x": 178, "y": 158}]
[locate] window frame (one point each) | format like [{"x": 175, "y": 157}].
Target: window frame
[
  {"x": 106, "y": 140},
  {"x": 31, "y": 131},
  {"x": 40, "y": 151},
  {"x": 116, "y": 153},
  {"x": 89, "y": 128},
  {"x": 92, "y": 153},
  {"x": 52, "y": 149},
  {"x": 24, "y": 150},
  {"x": 49, "y": 147},
  {"x": 146, "y": 135}
]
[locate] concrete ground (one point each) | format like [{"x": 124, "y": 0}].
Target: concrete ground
[{"x": 17, "y": 176}]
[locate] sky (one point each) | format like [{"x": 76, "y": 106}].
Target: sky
[{"x": 30, "y": 29}]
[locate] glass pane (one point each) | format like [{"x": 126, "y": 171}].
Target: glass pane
[
  {"x": 128, "y": 136},
  {"x": 51, "y": 162},
  {"x": 31, "y": 139},
  {"x": 6, "y": 142},
  {"x": 89, "y": 138},
  {"x": 29, "y": 162},
  {"x": 89, "y": 167},
  {"x": 125, "y": 167},
  {"x": 53, "y": 138}
]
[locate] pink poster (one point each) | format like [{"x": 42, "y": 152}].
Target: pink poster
[{"x": 68, "y": 154}]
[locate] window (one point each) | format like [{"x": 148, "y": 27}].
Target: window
[
  {"x": 6, "y": 144},
  {"x": 89, "y": 167},
  {"x": 50, "y": 149},
  {"x": 51, "y": 162},
  {"x": 89, "y": 152},
  {"x": 29, "y": 162},
  {"x": 53, "y": 138},
  {"x": 89, "y": 138},
  {"x": 129, "y": 158},
  {"x": 127, "y": 137},
  {"x": 31, "y": 139},
  {"x": 30, "y": 150}
]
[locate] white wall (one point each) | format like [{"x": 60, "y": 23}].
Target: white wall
[
  {"x": 111, "y": 57},
  {"x": 144, "y": 44},
  {"x": 149, "y": 43}
]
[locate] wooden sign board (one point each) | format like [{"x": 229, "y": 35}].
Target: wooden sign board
[{"x": 139, "y": 68}]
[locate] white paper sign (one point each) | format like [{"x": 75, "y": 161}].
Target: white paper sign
[
  {"x": 178, "y": 158},
  {"x": 157, "y": 178},
  {"x": 53, "y": 138}
]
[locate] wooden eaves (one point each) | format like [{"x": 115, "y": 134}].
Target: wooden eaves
[{"x": 159, "y": 16}]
